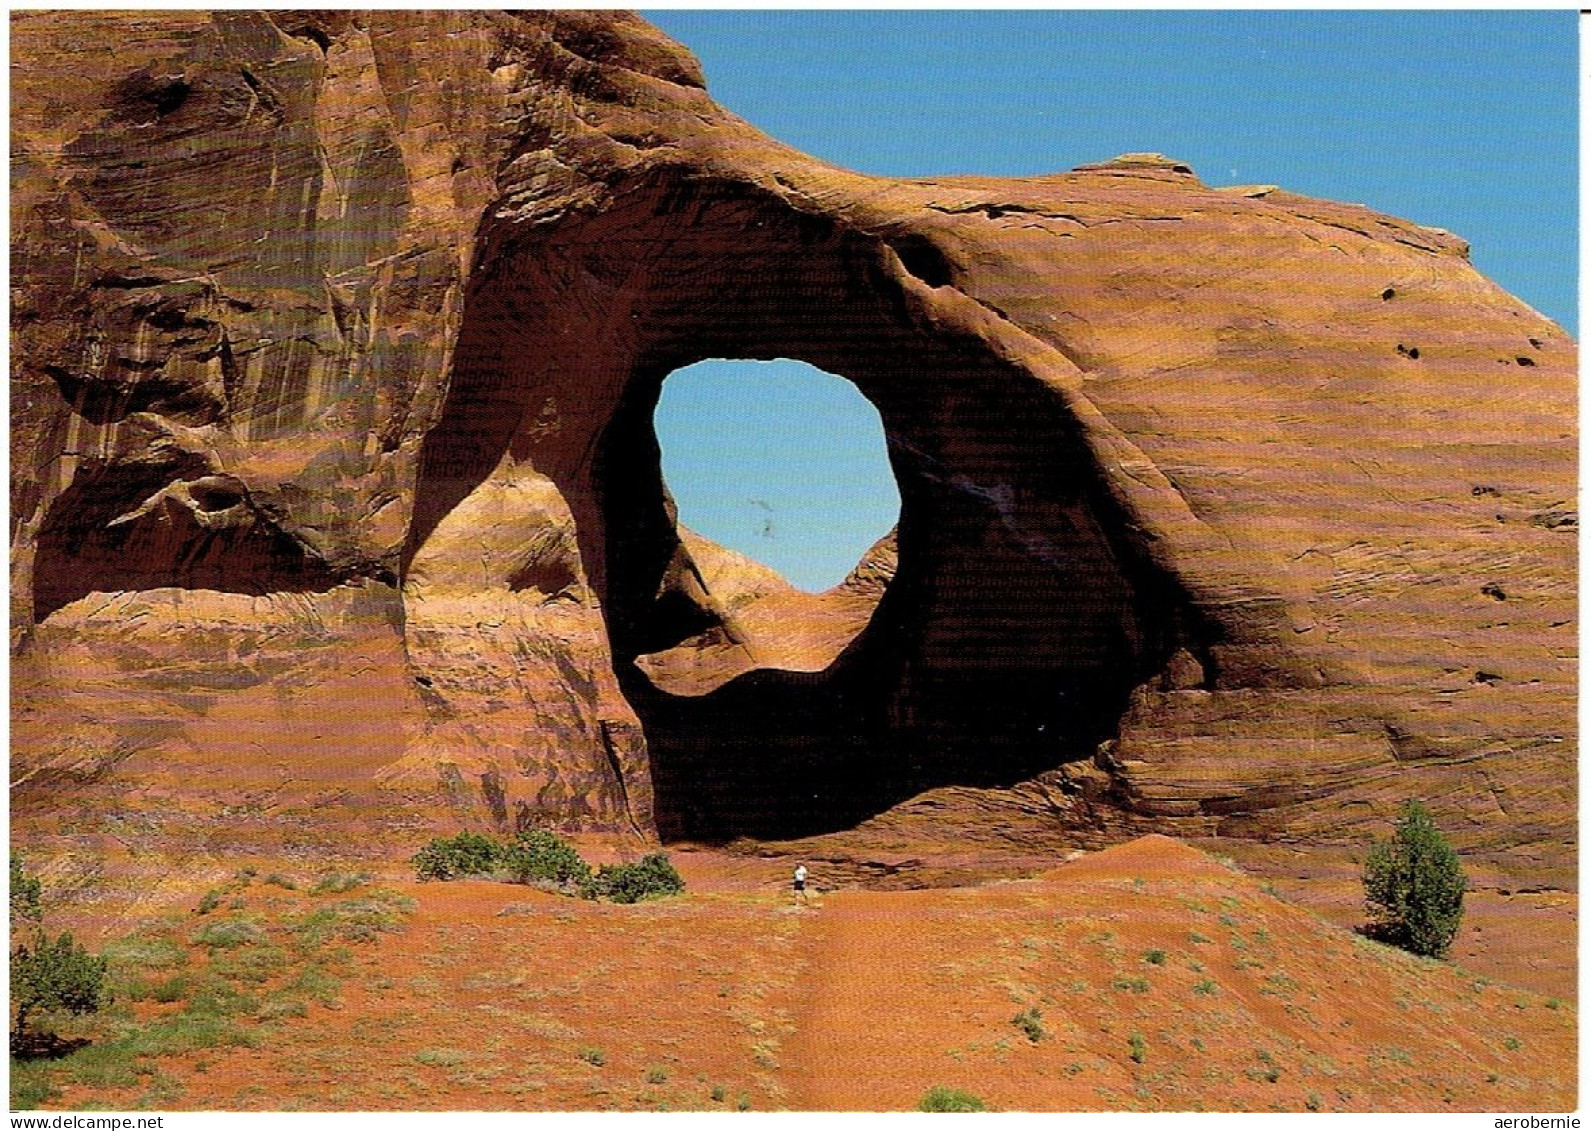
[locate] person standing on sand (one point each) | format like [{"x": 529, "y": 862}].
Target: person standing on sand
[{"x": 801, "y": 882}]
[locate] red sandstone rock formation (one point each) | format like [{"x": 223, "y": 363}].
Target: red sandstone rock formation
[{"x": 335, "y": 498}]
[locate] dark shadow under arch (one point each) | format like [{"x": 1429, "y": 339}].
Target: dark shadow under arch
[{"x": 1021, "y": 614}]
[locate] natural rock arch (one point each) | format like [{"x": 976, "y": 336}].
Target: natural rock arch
[
  {"x": 1263, "y": 485},
  {"x": 1016, "y": 623}
]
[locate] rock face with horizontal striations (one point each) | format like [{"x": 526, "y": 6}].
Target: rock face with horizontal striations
[{"x": 337, "y": 516}]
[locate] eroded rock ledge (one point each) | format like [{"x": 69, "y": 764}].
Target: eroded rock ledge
[{"x": 336, "y": 502}]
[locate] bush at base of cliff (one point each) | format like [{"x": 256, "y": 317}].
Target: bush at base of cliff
[
  {"x": 448, "y": 858},
  {"x": 652, "y": 878},
  {"x": 537, "y": 856},
  {"x": 1414, "y": 886}
]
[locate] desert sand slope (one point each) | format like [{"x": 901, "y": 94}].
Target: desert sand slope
[
  {"x": 1241, "y": 1001},
  {"x": 491, "y": 996}
]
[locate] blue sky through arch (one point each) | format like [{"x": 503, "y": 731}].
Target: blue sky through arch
[{"x": 779, "y": 461}]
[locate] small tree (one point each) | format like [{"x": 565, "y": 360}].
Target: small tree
[
  {"x": 48, "y": 976},
  {"x": 1414, "y": 886},
  {"x": 57, "y": 975}
]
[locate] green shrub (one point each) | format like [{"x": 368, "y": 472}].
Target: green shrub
[
  {"x": 131, "y": 989},
  {"x": 280, "y": 1007},
  {"x": 146, "y": 952},
  {"x": 354, "y": 920},
  {"x": 592, "y": 1056},
  {"x": 172, "y": 989},
  {"x": 442, "y": 1058},
  {"x": 652, "y": 878},
  {"x": 60, "y": 975},
  {"x": 339, "y": 883},
  {"x": 256, "y": 964},
  {"x": 316, "y": 982},
  {"x": 538, "y": 856},
  {"x": 1140, "y": 1050},
  {"x": 48, "y": 976},
  {"x": 1272, "y": 1071},
  {"x": 1414, "y": 886},
  {"x": 215, "y": 1000},
  {"x": 950, "y": 1099},
  {"x": 1155, "y": 957},
  {"x": 1031, "y": 1022},
  {"x": 209, "y": 902},
  {"x": 466, "y": 854},
  {"x": 227, "y": 934}
]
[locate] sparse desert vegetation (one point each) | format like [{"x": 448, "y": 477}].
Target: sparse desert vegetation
[
  {"x": 185, "y": 989},
  {"x": 543, "y": 859},
  {"x": 488, "y": 994},
  {"x": 941, "y": 1099},
  {"x": 1031, "y": 1022}
]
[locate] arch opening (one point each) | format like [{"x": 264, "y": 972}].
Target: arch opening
[
  {"x": 782, "y": 541},
  {"x": 779, "y": 462},
  {"x": 1011, "y": 614}
]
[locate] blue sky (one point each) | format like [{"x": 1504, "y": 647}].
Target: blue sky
[
  {"x": 781, "y": 461},
  {"x": 1462, "y": 120}
]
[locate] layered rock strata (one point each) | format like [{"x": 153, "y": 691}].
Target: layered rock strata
[{"x": 335, "y": 496}]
